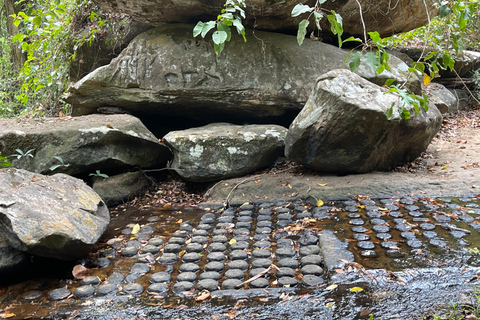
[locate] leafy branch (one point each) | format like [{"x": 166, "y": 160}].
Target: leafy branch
[{"x": 231, "y": 16}]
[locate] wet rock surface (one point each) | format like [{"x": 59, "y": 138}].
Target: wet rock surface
[{"x": 306, "y": 255}]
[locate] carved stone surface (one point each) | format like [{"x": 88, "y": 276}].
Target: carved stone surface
[{"x": 166, "y": 72}]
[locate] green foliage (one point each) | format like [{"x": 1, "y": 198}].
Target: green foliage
[
  {"x": 23, "y": 155},
  {"x": 99, "y": 174},
  {"x": 60, "y": 164},
  {"x": 231, "y": 16},
  {"x": 4, "y": 161}
]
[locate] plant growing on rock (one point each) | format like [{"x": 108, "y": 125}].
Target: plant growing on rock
[
  {"x": 60, "y": 164},
  {"x": 23, "y": 155},
  {"x": 4, "y": 161}
]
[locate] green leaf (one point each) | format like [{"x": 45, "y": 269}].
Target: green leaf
[
  {"x": 419, "y": 66},
  {"x": 448, "y": 61},
  {"x": 389, "y": 82},
  {"x": 372, "y": 60},
  {"x": 218, "y": 48},
  {"x": 336, "y": 25},
  {"x": 223, "y": 27},
  {"x": 237, "y": 23},
  {"x": 352, "y": 39},
  {"x": 389, "y": 113},
  {"x": 318, "y": 16},
  {"x": 375, "y": 36},
  {"x": 198, "y": 29},
  {"x": 207, "y": 27},
  {"x": 302, "y": 31},
  {"x": 219, "y": 37},
  {"x": 300, "y": 8},
  {"x": 444, "y": 11},
  {"x": 355, "y": 61},
  {"x": 37, "y": 21}
]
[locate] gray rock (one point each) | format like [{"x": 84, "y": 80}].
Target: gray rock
[
  {"x": 334, "y": 132},
  {"x": 166, "y": 72},
  {"x": 84, "y": 291},
  {"x": 223, "y": 150},
  {"x": 207, "y": 284},
  {"x": 59, "y": 294},
  {"x": 121, "y": 188},
  {"x": 11, "y": 260},
  {"x": 51, "y": 216},
  {"x": 85, "y": 144},
  {"x": 107, "y": 289},
  {"x": 382, "y": 16},
  {"x": 132, "y": 288}
]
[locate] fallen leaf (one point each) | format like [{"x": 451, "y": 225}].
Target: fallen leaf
[
  {"x": 364, "y": 313},
  {"x": 331, "y": 287},
  {"x": 7, "y": 315},
  {"x": 136, "y": 229},
  {"x": 204, "y": 295},
  {"x": 319, "y": 203},
  {"x": 356, "y": 289},
  {"x": 232, "y": 241},
  {"x": 322, "y": 184},
  {"x": 444, "y": 167}
]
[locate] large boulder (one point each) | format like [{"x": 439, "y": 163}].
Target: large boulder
[
  {"x": 109, "y": 143},
  {"x": 222, "y": 150},
  {"x": 386, "y": 17},
  {"x": 166, "y": 72},
  {"x": 50, "y": 216},
  {"x": 344, "y": 128}
]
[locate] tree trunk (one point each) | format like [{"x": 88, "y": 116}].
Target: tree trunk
[{"x": 16, "y": 54}]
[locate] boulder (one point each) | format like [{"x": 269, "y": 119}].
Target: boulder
[
  {"x": 344, "y": 128},
  {"x": 386, "y": 17},
  {"x": 120, "y": 188},
  {"x": 222, "y": 150},
  {"x": 444, "y": 100},
  {"x": 165, "y": 72},
  {"x": 55, "y": 216},
  {"x": 11, "y": 260},
  {"x": 109, "y": 143}
]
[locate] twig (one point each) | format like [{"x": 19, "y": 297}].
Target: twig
[
  {"x": 363, "y": 22},
  {"x": 270, "y": 268},
  {"x": 466, "y": 87}
]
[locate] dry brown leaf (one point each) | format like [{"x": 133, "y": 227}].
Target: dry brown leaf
[{"x": 79, "y": 272}]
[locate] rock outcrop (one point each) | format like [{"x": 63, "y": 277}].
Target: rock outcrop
[
  {"x": 50, "y": 216},
  {"x": 109, "y": 143},
  {"x": 221, "y": 150},
  {"x": 387, "y": 17},
  {"x": 165, "y": 72},
  {"x": 120, "y": 188},
  {"x": 344, "y": 128}
]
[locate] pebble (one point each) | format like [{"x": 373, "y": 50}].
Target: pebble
[
  {"x": 32, "y": 295},
  {"x": 394, "y": 253},
  {"x": 129, "y": 251},
  {"x": 438, "y": 242},
  {"x": 107, "y": 289},
  {"x": 264, "y": 218},
  {"x": 207, "y": 284},
  {"x": 202, "y": 233},
  {"x": 132, "y": 277},
  {"x": 101, "y": 263},
  {"x": 256, "y": 271},
  {"x": 147, "y": 229},
  {"x": 210, "y": 275},
  {"x": 288, "y": 262},
  {"x": 287, "y": 282},
  {"x": 140, "y": 268},
  {"x": 466, "y": 218},
  {"x": 282, "y": 253},
  {"x": 359, "y": 229},
  {"x": 177, "y": 240},
  {"x": 189, "y": 267},
  {"x": 361, "y": 237},
  {"x": 146, "y": 258},
  {"x": 240, "y": 245},
  {"x": 268, "y": 211},
  {"x": 307, "y": 240},
  {"x": 216, "y": 256},
  {"x": 368, "y": 253},
  {"x": 312, "y": 269},
  {"x": 238, "y": 264},
  {"x": 261, "y": 253},
  {"x": 185, "y": 227},
  {"x": 383, "y": 236},
  {"x": 415, "y": 214},
  {"x": 217, "y": 247},
  {"x": 214, "y": 266},
  {"x": 412, "y": 207},
  {"x": 243, "y": 225},
  {"x": 245, "y": 219},
  {"x": 457, "y": 234},
  {"x": 230, "y": 284},
  {"x": 182, "y": 286},
  {"x": 84, "y": 291},
  {"x": 308, "y": 250},
  {"x": 261, "y": 236},
  {"x": 353, "y": 215},
  {"x": 245, "y": 213},
  {"x": 59, "y": 294},
  {"x": 388, "y": 244},
  {"x": 220, "y": 238},
  {"x": 259, "y": 283},
  {"x": 377, "y": 221},
  {"x": 351, "y": 208},
  {"x": 238, "y": 255},
  {"x": 191, "y": 257},
  {"x": 408, "y": 235},
  {"x": 262, "y": 244},
  {"x": 172, "y": 248},
  {"x": 403, "y": 227},
  {"x": 194, "y": 247},
  {"x": 263, "y": 224},
  {"x": 406, "y": 201},
  {"x": 168, "y": 258},
  {"x": 284, "y": 243},
  {"x": 442, "y": 218},
  {"x": 356, "y": 222},
  {"x": 303, "y": 215},
  {"x": 242, "y": 238},
  {"x": 261, "y": 263},
  {"x": 235, "y": 274},
  {"x": 180, "y": 234},
  {"x": 395, "y": 214},
  {"x": 365, "y": 245},
  {"x": 187, "y": 276},
  {"x": 116, "y": 278},
  {"x": 225, "y": 219},
  {"x": 414, "y": 243},
  {"x": 427, "y": 226},
  {"x": 285, "y": 272},
  {"x": 199, "y": 239},
  {"x": 264, "y": 230},
  {"x": 311, "y": 280},
  {"x": 373, "y": 214},
  {"x": 380, "y": 228},
  {"x": 158, "y": 288},
  {"x": 284, "y": 216},
  {"x": 160, "y": 277},
  {"x": 367, "y": 202},
  {"x": 312, "y": 259},
  {"x": 430, "y": 234},
  {"x": 91, "y": 280}
]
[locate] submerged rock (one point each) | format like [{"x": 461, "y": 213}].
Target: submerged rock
[{"x": 223, "y": 150}]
